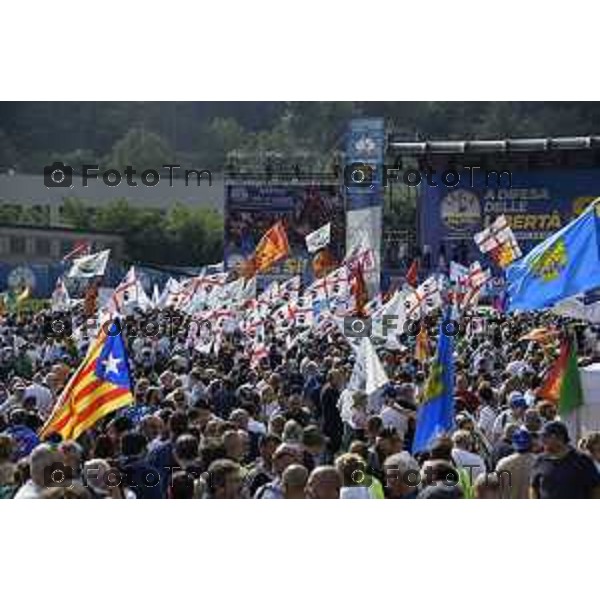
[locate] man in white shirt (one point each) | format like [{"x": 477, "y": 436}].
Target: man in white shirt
[
  {"x": 44, "y": 399},
  {"x": 392, "y": 415},
  {"x": 464, "y": 458},
  {"x": 41, "y": 460}
]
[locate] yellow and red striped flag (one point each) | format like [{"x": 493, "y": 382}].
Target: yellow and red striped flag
[{"x": 101, "y": 385}]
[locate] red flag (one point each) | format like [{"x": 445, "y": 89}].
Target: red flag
[
  {"x": 358, "y": 288},
  {"x": 412, "y": 275},
  {"x": 80, "y": 249}
]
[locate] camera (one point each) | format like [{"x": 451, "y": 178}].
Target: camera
[
  {"x": 357, "y": 327},
  {"x": 58, "y": 175},
  {"x": 358, "y": 174},
  {"x": 58, "y": 475}
]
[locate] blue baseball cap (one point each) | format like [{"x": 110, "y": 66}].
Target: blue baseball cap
[
  {"x": 517, "y": 400},
  {"x": 521, "y": 440}
]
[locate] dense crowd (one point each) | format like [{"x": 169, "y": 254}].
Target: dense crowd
[{"x": 217, "y": 425}]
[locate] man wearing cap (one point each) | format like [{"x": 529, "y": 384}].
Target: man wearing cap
[
  {"x": 512, "y": 415},
  {"x": 514, "y": 471},
  {"x": 561, "y": 471}
]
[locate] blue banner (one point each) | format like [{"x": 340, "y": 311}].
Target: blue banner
[
  {"x": 536, "y": 204},
  {"x": 363, "y": 170}
]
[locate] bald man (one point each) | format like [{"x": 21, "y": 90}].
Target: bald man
[
  {"x": 324, "y": 483},
  {"x": 293, "y": 482}
]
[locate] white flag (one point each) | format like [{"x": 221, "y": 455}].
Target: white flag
[
  {"x": 93, "y": 265},
  {"x": 499, "y": 240},
  {"x": 368, "y": 374},
  {"x": 388, "y": 321},
  {"x": 60, "y": 297},
  {"x": 458, "y": 273},
  {"x": 425, "y": 299},
  {"x": 319, "y": 238},
  {"x": 375, "y": 374}
]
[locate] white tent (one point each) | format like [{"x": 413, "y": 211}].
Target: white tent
[{"x": 586, "y": 418}]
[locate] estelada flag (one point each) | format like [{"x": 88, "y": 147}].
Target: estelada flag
[
  {"x": 101, "y": 385},
  {"x": 272, "y": 247}
]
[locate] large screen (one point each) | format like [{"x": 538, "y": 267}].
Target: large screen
[{"x": 252, "y": 208}]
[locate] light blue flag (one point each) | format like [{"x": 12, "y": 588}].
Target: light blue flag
[
  {"x": 436, "y": 414},
  {"x": 565, "y": 264}
]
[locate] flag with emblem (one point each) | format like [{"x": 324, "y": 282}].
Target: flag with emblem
[
  {"x": 272, "y": 247},
  {"x": 101, "y": 385},
  {"x": 318, "y": 239},
  {"x": 499, "y": 242},
  {"x": 436, "y": 412},
  {"x": 93, "y": 265},
  {"x": 565, "y": 264}
]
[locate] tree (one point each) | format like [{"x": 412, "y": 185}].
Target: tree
[
  {"x": 195, "y": 234},
  {"x": 181, "y": 236},
  {"x": 8, "y": 152},
  {"x": 76, "y": 213},
  {"x": 141, "y": 149}
]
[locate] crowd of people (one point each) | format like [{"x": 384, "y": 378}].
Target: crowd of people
[{"x": 217, "y": 425}]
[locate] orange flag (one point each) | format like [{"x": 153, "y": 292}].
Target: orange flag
[
  {"x": 422, "y": 345},
  {"x": 272, "y": 247},
  {"x": 550, "y": 388}
]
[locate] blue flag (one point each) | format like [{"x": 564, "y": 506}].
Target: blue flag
[
  {"x": 565, "y": 264},
  {"x": 436, "y": 413}
]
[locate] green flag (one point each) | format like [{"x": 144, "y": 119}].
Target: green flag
[{"x": 571, "y": 394}]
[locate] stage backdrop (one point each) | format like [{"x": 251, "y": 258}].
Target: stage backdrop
[
  {"x": 538, "y": 203},
  {"x": 251, "y": 208}
]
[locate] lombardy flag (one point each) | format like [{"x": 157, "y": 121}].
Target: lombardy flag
[
  {"x": 101, "y": 385},
  {"x": 272, "y": 247},
  {"x": 435, "y": 415},
  {"x": 565, "y": 264}
]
